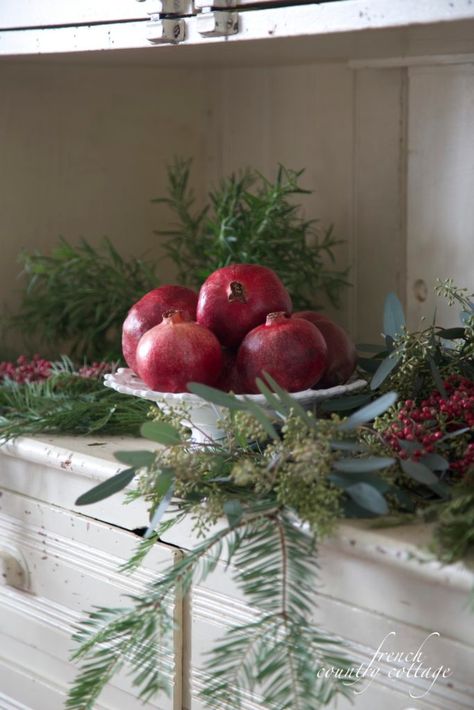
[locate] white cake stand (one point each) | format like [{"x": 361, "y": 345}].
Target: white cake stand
[{"x": 204, "y": 416}]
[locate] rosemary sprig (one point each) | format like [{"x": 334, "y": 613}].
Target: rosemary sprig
[
  {"x": 251, "y": 219},
  {"x": 77, "y": 297}
]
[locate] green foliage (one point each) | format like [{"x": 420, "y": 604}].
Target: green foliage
[
  {"x": 267, "y": 483},
  {"x": 413, "y": 363},
  {"x": 274, "y": 562},
  {"x": 454, "y": 531},
  {"x": 67, "y": 403},
  {"x": 77, "y": 297},
  {"x": 279, "y": 654},
  {"x": 251, "y": 219}
]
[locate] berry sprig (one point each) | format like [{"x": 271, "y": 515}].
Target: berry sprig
[
  {"x": 24, "y": 370},
  {"x": 429, "y": 424},
  {"x": 96, "y": 370},
  {"x": 37, "y": 369}
]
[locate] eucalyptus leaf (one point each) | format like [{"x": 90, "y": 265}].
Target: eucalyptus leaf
[
  {"x": 164, "y": 481},
  {"x": 274, "y": 402},
  {"x": 344, "y": 480},
  {"x": 452, "y": 333},
  {"x": 390, "y": 343},
  {"x": 107, "y": 488},
  {"x": 410, "y": 446},
  {"x": 353, "y": 446},
  {"x": 454, "y": 434},
  {"x": 159, "y": 512},
  {"x": 464, "y": 317},
  {"x": 363, "y": 465},
  {"x": 161, "y": 432},
  {"x": 393, "y": 316},
  {"x": 342, "y": 404},
  {"x": 262, "y": 418},
  {"x": 419, "y": 472},
  {"x": 288, "y": 400},
  {"x": 135, "y": 459},
  {"x": 368, "y": 497},
  {"x": 369, "y": 412},
  {"x": 384, "y": 369},
  {"x": 437, "y": 377},
  {"x": 435, "y": 462},
  {"x": 233, "y": 510},
  {"x": 369, "y": 364},
  {"x": 369, "y": 348},
  {"x": 215, "y": 396}
]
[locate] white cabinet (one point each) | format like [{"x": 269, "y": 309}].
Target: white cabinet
[
  {"x": 377, "y": 589},
  {"x": 375, "y": 98}
]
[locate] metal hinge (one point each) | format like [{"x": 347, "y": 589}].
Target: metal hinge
[
  {"x": 166, "y": 30},
  {"x": 219, "y": 23}
]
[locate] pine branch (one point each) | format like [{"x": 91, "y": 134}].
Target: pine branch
[
  {"x": 278, "y": 655},
  {"x": 109, "y": 638},
  {"x": 67, "y": 403}
]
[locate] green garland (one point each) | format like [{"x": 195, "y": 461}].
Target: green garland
[
  {"x": 67, "y": 403},
  {"x": 280, "y": 482}
]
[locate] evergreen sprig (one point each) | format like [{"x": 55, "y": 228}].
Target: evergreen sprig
[
  {"x": 250, "y": 219},
  {"x": 279, "y": 655},
  {"x": 70, "y": 404},
  {"x": 77, "y": 297},
  {"x": 271, "y": 554}
]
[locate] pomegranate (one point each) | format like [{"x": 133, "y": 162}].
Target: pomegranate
[
  {"x": 178, "y": 351},
  {"x": 342, "y": 356},
  {"x": 291, "y": 350},
  {"x": 237, "y": 298},
  {"x": 229, "y": 380},
  {"x": 148, "y": 312}
]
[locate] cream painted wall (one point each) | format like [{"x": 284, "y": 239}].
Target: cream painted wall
[
  {"x": 388, "y": 152},
  {"x": 84, "y": 149}
]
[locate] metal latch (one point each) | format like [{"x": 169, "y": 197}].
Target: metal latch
[
  {"x": 166, "y": 30},
  {"x": 217, "y": 24}
]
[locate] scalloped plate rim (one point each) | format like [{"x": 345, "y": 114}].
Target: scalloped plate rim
[{"x": 126, "y": 382}]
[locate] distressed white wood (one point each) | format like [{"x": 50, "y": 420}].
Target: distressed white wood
[
  {"x": 363, "y": 28},
  {"x": 362, "y": 601},
  {"x": 58, "y": 470},
  {"x": 374, "y": 582},
  {"x": 440, "y": 210},
  {"x": 72, "y": 563},
  {"x": 31, "y": 13},
  {"x": 377, "y": 247}
]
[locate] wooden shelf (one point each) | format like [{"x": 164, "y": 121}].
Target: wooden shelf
[{"x": 335, "y": 31}]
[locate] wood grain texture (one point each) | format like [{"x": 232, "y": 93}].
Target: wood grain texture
[{"x": 440, "y": 210}]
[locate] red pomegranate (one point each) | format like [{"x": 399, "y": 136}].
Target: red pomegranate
[
  {"x": 237, "y": 298},
  {"x": 178, "y": 351},
  {"x": 148, "y": 312},
  {"x": 229, "y": 380},
  {"x": 342, "y": 356},
  {"x": 291, "y": 350}
]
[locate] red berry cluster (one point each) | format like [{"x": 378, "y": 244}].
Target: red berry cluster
[
  {"x": 24, "y": 370},
  {"x": 96, "y": 370},
  {"x": 428, "y": 423}
]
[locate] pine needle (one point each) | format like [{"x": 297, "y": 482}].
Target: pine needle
[{"x": 67, "y": 403}]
